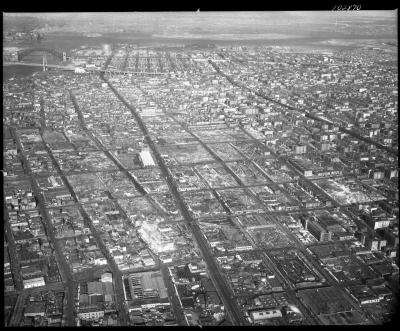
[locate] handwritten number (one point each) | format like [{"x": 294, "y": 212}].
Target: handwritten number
[{"x": 346, "y": 7}]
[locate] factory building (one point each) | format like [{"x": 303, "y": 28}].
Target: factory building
[{"x": 317, "y": 230}]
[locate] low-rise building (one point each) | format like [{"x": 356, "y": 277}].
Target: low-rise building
[
  {"x": 34, "y": 282},
  {"x": 146, "y": 158},
  {"x": 91, "y": 313},
  {"x": 260, "y": 315}
]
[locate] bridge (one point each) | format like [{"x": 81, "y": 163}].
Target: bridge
[
  {"x": 87, "y": 70},
  {"x": 35, "y": 64},
  {"x": 25, "y": 52}
]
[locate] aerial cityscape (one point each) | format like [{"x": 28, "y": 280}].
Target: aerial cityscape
[{"x": 200, "y": 168}]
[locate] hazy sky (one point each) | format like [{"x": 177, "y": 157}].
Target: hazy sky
[{"x": 297, "y": 22}]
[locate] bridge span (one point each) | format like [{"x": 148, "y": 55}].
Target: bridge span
[
  {"x": 87, "y": 70},
  {"x": 35, "y": 64}
]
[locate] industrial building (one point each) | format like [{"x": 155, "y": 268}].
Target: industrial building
[{"x": 317, "y": 230}]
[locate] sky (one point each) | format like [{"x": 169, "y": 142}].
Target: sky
[{"x": 213, "y": 23}]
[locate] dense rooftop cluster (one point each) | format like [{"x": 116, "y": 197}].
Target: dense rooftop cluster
[{"x": 177, "y": 184}]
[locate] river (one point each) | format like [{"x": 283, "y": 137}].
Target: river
[{"x": 18, "y": 71}]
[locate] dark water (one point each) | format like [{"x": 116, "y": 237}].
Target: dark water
[{"x": 18, "y": 71}]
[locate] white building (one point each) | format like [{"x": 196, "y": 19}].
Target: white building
[
  {"x": 100, "y": 261},
  {"x": 150, "y": 111},
  {"x": 91, "y": 313},
  {"x": 240, "y": 248},
  {"x": 261, "y": 315},
  {"x": 106, "y": 277},
  {"x": 34, "y": 282},
  {"x": 166, "y": 259},
  {"x": 79, "y": 70},
  {"x": 146, "y": 158},
  {"x": 148, "y": 262}
]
